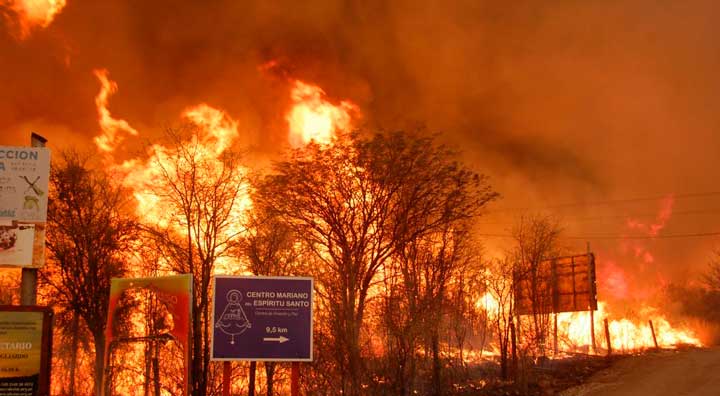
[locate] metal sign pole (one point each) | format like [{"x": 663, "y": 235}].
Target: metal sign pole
[
  {"x": 227, "y": 373},
  {"x": 295, "y": 379},
  {"x": 28, "y": 282}
]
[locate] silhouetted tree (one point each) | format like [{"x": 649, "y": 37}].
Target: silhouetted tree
[
  {"x": 357, "y": 202},
  {"x": 199, "y": 195},
  {"x": 88, "y": 231},
  {"x": 269, "y": 248},
  {"x": 427, "y": 266},
  {"x": 499, "y": 286},
  {"x": 536, "y": 240}
]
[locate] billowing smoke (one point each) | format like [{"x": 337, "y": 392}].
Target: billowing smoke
[{"x": 559, "y": 102}]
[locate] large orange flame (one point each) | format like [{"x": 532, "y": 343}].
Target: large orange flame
[
  {"x": 626, "y": 334},
  {"x": 33, "y": 14},
  {"x": 313, "y": 117},
  {"x": 216, "y": 133},
  {"x": 108, "y": 141}
]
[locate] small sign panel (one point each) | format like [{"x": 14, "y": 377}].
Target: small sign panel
[
  {"x": 25, "y": 345},
  {"x": 24, "y": 179},
  {"x": 262, "y": 318}
]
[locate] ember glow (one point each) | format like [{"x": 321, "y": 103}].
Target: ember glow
[
  {"x": 33, "y": 14},
  {"x": 313, "y": 117},
  {"x": 626, "y": 334}
]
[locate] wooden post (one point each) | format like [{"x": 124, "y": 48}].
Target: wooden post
[
  {"x": 652, "y": 330},
  {"x": 555, "y": 335},
  {"x": 227, "y": 374},
  {"x": 28, "y": 281},
  {"x": 592, "y": 297},
  {"x": 251, "y": 380},
  {"x": 607, "y": 338},
  {"x": 28, "y": 286},
  {"x": 513, "y": 346},
  {"x": 295, "y": 379},
  {"x": 592, "y": 331}
]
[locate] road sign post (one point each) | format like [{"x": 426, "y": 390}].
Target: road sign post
[{"x": 263, "y": 318}]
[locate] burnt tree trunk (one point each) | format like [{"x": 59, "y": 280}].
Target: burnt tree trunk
[
  {"x": 99, "y": 338},
  {"x": 251, "y": 380},
  {"x": 156, "y": 367},
  {"x": 435, "y": 345},
  {"x": 74, "y": 351},
  {"x": 198, "y": 388}
]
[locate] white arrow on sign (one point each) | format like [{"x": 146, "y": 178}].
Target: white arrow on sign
[{"x": 280, "y": 339}]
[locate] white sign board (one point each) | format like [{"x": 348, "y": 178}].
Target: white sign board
[{"x": 24, "y": 174}]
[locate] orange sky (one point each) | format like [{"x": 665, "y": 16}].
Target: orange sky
[{"x": 558, "y": 102}]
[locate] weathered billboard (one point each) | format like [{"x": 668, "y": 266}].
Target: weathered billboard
[
  {"x": 175, "y": 294},
  {"x": 561, "y": 284}
]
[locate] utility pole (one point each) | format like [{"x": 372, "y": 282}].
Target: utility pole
[
  {"x": 28, "y": 283},
  {"x": 592, "y": 311}
]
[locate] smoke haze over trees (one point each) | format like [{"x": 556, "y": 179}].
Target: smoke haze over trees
[
  {"x": 552, "y": 100},
  {"x": 597, "y": 114}
]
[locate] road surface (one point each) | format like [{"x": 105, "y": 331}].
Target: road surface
[{"x": 694, "y": 372}]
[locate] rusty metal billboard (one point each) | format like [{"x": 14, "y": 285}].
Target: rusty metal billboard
[{"x": 561, "y": 284}]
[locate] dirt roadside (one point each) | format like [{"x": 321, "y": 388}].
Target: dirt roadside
[{"x": 693, "y": 372}]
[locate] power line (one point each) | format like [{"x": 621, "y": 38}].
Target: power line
[
  {"x": 609, "y": 217},
  {"x": 590, "y": 237},
  {"x": 608, "y": 202},
  {"x": 666, "y": 236}
]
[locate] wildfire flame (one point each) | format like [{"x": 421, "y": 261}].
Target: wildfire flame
[
  {"x": 574, "y": 330},
  {"x": 627, "y": 332},
  {"x": 33, "y": 14},
  {"x": 216, "y": 133},
  {"x": 218, "y": 130},
  {"x": 109, "y": 139},
  {"x": 313, "y": 117}
]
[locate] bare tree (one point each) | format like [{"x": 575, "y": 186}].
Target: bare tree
[
  {"x": 428, "y": 265},
  {"x": 500, "y": 309},
  {"x": 357, "y": 202},
  {"x": 711, "y": 278},
  {"x": 88, "y": 232},
  {"x": 536, "y": 241},
  {"x": 269, "y": 247},
  {"x": 201, "y": 197},
  {"x": 465, "y": 290}
]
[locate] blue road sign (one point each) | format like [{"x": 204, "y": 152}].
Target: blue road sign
[{"x": 262, "y": 318}]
